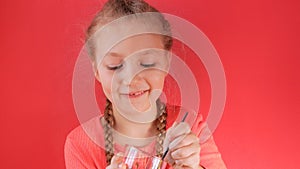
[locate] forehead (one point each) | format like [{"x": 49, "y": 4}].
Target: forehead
[
  {"x": 128, "y": 35},
  {"x": 138, "y": 43}
]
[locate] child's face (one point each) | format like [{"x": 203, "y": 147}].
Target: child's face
[{"x": 132, "y": 73}]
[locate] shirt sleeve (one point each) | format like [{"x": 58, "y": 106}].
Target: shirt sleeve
[
  {"x": 75, "y": 158},
  {"x": 210, "y": 157},
  {"x": 84, "y": 146}
]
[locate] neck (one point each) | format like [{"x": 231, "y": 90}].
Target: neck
[{"x": 133, "y": 129}]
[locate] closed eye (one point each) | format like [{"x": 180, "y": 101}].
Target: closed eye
[
  {"x": 148, "y": 65},
  {"x": 110, "y": 67}
]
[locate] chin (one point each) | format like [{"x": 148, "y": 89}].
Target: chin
[{"x": 139, "y": 114}]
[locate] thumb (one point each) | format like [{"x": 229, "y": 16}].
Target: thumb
[
  {"x": 169, "y": 134},
  {"x": 116, "y": 161}
]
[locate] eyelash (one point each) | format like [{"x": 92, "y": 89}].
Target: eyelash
[
  {"x": 121, "y": 65},
  {"x": 148, "y": 65},
  {"x": 115, "y": 67}
]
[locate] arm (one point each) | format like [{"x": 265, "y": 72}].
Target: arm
[
  {"x": 210, "y": 155},
  {"x": 74, "y": 158}
]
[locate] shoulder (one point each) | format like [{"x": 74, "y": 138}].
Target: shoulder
[
  {"x": 87, "y": 138},
  {"x": 84, "y": 145},
  {"x": 89, "y": 131}
]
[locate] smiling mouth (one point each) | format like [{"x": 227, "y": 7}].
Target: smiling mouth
[{"x": 137, "y": 94}]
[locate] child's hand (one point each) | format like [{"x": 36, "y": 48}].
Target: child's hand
[
  {"x": 184, "y": 147},
  {"x": 116, "y": 162}
]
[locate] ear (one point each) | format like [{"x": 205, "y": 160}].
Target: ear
[
  {"x": 96, "y": 72},
  {"x": 97, "y": 76}
]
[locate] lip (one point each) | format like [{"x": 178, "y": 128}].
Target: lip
[{"x": 137, "y": 94}]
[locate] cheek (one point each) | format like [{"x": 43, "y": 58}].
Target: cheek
[
  {"x": 106, "y": 81},
  {"x": 157, "y": 79}
]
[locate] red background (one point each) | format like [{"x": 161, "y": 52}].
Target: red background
[{"x": 258, "y": 42}]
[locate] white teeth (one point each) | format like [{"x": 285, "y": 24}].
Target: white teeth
[{"x": 136, "y": 93}]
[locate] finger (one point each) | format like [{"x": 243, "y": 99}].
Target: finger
[
  {"x": 118, "y": 157},
  {"x": 169, "y": 160},
  {"x": 181, "y": 128},
  {"x": 197, "y": 122},
  {"x": 116, "y": 161},
  {"x": 178, "y": 130},
  {"x": 191, "y": 161},
  {"x": 198, "y": 126},
  {"x": 174, "y": 144},
  {"x": 123, "y": 166},
  {"x": 185, "y": 140},
  {"x": 186, "y": 152},
  {"x": 197, "y": 131}
]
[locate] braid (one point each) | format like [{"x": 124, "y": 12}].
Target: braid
[
  {"x": 109, "y": 122},
  {"x": 161, "y": 127}
]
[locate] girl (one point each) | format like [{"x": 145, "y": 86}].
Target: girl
[{"x": 129, "y": 50}]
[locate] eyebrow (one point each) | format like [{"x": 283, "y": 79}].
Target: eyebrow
[
  {"x": 146, "y": 52},
  {"x": 114, "y": 54},
  {"x": 143, "y": 52}
]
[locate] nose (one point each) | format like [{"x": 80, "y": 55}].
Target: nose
[{"x": 130, "y": 75}]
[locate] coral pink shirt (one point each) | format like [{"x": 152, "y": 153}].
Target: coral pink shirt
[{"x": 83, "y": 150}]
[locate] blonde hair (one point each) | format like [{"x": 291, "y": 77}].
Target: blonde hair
[{"x": 114, "y": 9}]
